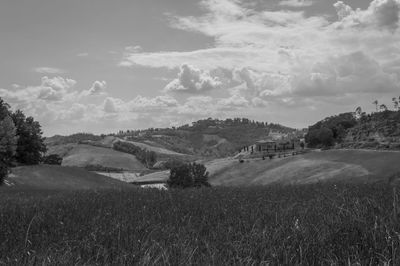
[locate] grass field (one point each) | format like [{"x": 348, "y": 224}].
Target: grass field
[
  {"x": 82, "y": 155},
  {"x": 58, "y": 177},
  {"x": 273, "y": 225}
]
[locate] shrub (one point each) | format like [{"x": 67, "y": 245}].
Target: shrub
[
  {"x": 54, "y": 159},
  {"x": 188, "y": 175},
  {"x": 3, "y": 172}
]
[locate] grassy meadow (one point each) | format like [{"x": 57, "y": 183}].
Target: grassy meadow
[{"x": 319, "y": 224}]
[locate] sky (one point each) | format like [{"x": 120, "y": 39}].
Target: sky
[{"x": 101, "y": 66}]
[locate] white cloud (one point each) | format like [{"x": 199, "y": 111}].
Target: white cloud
[
  {"x": 49, "y": 70},
  {"x": 380, "y": 13},
  {"x": 192, "y": 80},
  {"x": 296, "y": 3},
  {"x": 287, "y": 57},
  {"x": 98, "y": 88}
]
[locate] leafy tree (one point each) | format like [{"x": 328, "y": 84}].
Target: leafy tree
[
  {"x": 376, "y": 104},
  {"x": 188, "y": 175},
  {"x": 4, "y": 109},
  {"x": 8, "y": 144},
  {"x": 383, "y": 107},
  {"x": 395, "y": 103},
  {"x": 31, "y": 147}
]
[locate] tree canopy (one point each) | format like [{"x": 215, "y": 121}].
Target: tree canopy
[{"x": 188, "y": 175}]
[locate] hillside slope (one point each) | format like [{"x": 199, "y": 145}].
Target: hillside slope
[
  {"x": 332, "y": 165},
  {"x": 83, "y": 155},
  {"x": 58, "y": 177}
]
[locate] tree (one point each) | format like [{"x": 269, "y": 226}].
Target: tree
[
  {"x": 30, "y": 146},
  {"x": 8, "y": 140},
  {"x": 376, "y": 104},
  {"x": 383, "y": 107},
  {"x": 395, "y": 103},
  {"x": 4, "y": 109},
  {"x": 188, "y": 175},
  {"x": 8, "y": 144}
]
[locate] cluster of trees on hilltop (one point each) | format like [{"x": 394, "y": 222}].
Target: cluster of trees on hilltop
[
  {"x": 209, "y": 124},
  {"x": 334, "y": 129},
  {"x": 21, "y": 139},
  {"x": 330, "y": 130},
  {"x": 74, "y": 138}
]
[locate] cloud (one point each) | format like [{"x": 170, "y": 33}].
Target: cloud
[
  {"x": 192, "y": 80},
  {"x": 380, "y": 13},
  {"x": 296, "y": 3},
  {"x": 286, "y": 57},
  {"x": 49, "y": 70},
  {"x": 97, "y": 88},
  {"x": 50, "y": 89},
  {"x": 84, "y": 54},
  {"x": 112, "y": 105}
]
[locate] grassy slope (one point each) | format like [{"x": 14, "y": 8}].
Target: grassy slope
[
  {"x": 58, "y": 177},
  {"x": 348, "y": 165},
  {"x": 82, "y": 155},
  {"x": 299, "y": 225}
]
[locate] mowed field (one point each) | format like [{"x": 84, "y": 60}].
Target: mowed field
[
  {"x": 59, "y": 178},
  {"x": 312, "y": 167}
]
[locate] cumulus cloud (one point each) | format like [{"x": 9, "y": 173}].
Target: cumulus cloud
[
  {"x": 296, "y": 3},
  {"x": 192, "y": 80},
  {"x": 50, "y": 89},
  {"x": 380, "y": 13},
  {"x": 98, "y": 88},
  {"x": 286, "y": 57}
]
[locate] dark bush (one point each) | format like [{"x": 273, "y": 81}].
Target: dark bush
[
  {"x": 3, "y": 172},
  {"x": 54, "y": 159},
  {"x": 188, "y": 175}
]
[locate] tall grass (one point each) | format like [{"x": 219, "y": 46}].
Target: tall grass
[{"x": 292, "y": 225}]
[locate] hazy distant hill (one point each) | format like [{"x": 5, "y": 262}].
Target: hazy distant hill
[
  {"x": 208, "y": 137},
  {"x": 204, "y": 138}
]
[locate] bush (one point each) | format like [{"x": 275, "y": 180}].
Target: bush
[
  {"x": 3, "y": 172},
  {"x": 188, "y": 175},
  {"x": 54, "y": 159}
]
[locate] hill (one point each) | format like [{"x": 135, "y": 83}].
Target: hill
[
  {"x": 58, "y": 177},
  {"x": 208, "y": 137},
  {"x": 332, "y": 165},
  {"x": 379, "y": 130}
]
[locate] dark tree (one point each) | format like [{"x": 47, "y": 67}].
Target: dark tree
[
  {"x": 188, "y": 175},
  {"x": 30, "y": 146}
]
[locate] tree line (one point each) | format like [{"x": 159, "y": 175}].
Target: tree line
[{"x": 21, "y": 140}]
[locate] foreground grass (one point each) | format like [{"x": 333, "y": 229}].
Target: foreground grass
[{"x": 293, "y": 225}]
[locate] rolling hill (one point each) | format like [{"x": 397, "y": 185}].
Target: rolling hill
[
  {"x": 59, "y": 178},
  {"x": 332, "y": 165}
]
